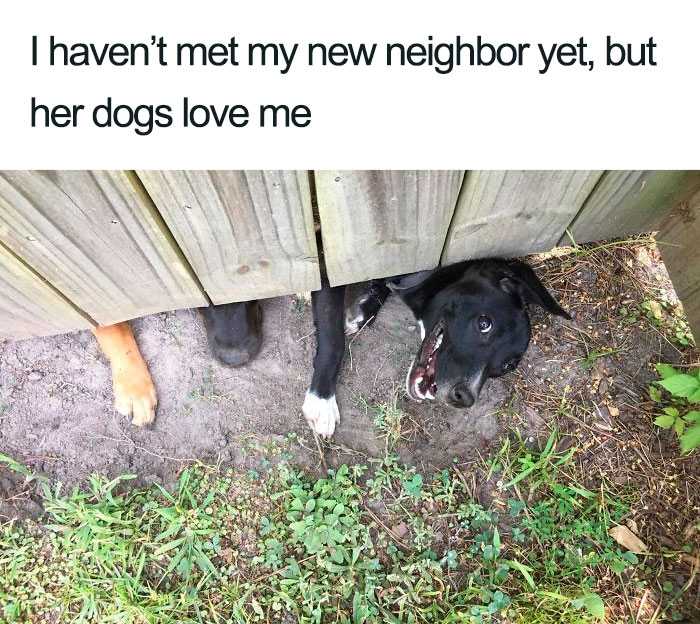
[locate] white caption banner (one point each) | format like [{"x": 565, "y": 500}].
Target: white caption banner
[{"x": 504, "y": 102}]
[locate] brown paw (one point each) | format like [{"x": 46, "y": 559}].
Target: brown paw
[
  {"x": 135, "y": 395},
  {"x": 134, "y": 392}
]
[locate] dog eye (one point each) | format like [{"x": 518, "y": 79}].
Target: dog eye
[{"x": 484, "y": 324}]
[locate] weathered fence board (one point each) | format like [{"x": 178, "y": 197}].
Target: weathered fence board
[
  {"x": 28, "y": 306},
  {"x": 511, "y": 213},
  {"x": 381, "y": 223},
  {"x": 629, "y": 202},
  {"x": 96, "y": 237},
  {"x": 247, "y": 234},
  {"x": 83, "y": 247},
  {"x": 678, "y": 241}
]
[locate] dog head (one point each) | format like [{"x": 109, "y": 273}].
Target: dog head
[
  {"x": 475, "y": 326},
  {"x": 234, "y": 331}
]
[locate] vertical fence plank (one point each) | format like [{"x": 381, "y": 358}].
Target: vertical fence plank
[
  {"x": 28, "y": 306},
  {"x": 247, "y": 234},
  {"x": 96, "y": 238},
  {"x": 678, "y": 241},
  {"x": 629, "y": 202},
  {"x": 382, "y": 223},
  {"x": 511, "y": 213}
]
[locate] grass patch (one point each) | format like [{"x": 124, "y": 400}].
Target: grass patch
[
  {"x": 234, "y": 549},
  {"x": 382, "y": 543}
]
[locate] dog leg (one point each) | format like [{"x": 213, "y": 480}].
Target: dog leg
[
  {"x": 320, "y": 408},
  {"x": 364, "y": 310},
  {"x": 134, "y": 392}
]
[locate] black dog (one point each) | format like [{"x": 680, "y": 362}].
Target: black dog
[{"x": 474, "y": 325}]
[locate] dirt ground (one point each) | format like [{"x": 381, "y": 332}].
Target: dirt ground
[{"x": 57, "y": 418}]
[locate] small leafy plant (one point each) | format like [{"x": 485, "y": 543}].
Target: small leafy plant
[
  {"x": 666, "y": 314},
  {"x": 680, "y": 415}
]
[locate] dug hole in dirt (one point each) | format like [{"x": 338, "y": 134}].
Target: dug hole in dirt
[{"x": 57, "y": 416}]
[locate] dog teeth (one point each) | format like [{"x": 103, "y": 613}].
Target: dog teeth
[
  {"x": 416, "y": 387},
  {"x": 438, "y": 342}
]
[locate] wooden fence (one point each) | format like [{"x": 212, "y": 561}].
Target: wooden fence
[{"x": 80, "y": 248}]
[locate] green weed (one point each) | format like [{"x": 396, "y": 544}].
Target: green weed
[
  {"x": 683, "y": 393},
  {"x": 205, "y": 391}
]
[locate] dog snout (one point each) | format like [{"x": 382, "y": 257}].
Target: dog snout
[
  {"x": 231, "y": 357},
  {"x": 461, "y": 395},
  {"x": 238, "y": 355}
]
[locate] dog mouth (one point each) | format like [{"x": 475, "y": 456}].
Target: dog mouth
[{"x": 420, "y": 382}]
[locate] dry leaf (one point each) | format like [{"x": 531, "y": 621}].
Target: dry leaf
[
  {"x": 386, "y": 591},
  {"x": 399, "y": 530},
  {"x": 691, "y": 561},
  {"x": 496, "y": 498},
  {"x": 655, "y": 308},
  {"x": 690, "y": 529},
  {"x": 643, "y": 256},
  {"x": 227, "y": 555},
  {"x": 623, "y": 536},
  {"x": 613, "y": 411},
  {"x": 598, "y": 371}
]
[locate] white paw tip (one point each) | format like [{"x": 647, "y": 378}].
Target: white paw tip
[
  {"x": 321, "y": 414},
  {"x": 352, "y": 325},
  {"x": 354, "y": 317}
]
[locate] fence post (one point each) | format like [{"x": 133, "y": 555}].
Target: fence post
[{"x": 678, "y": 238}]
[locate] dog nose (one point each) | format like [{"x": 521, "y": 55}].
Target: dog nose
[
  {"x": 461, "y": 395},
  {"x": 235, "y": 354},
  {"x": 231, "y": 356}
]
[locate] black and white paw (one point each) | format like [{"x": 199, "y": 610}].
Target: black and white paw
[
  {"x": 359, "y": 314},
  {"x": 321, "y": 414}
]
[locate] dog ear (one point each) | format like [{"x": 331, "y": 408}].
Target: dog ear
[
  {"x": 520, "y": 278},
  {"x": 408, "y": 281}
]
